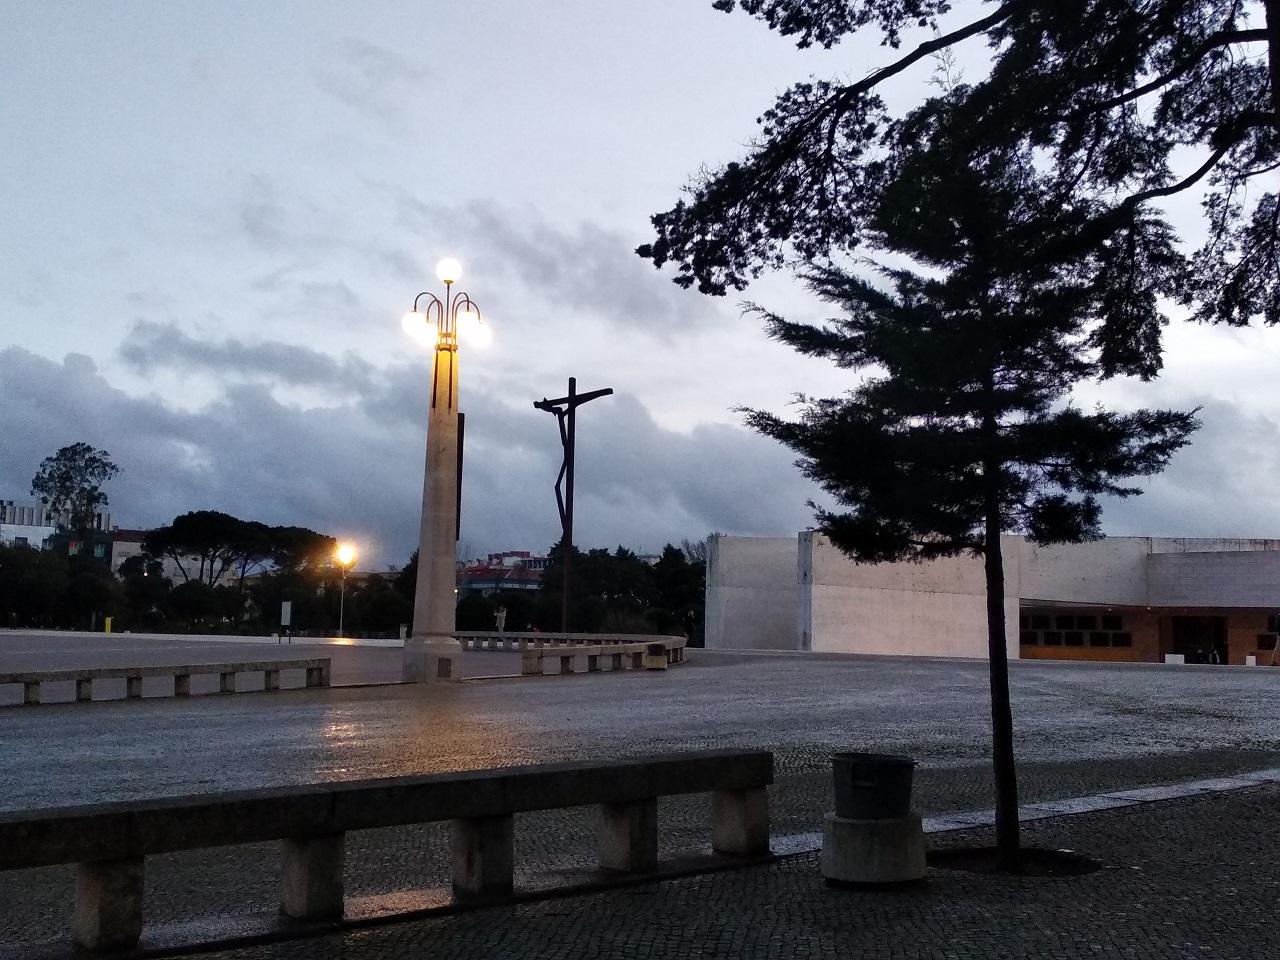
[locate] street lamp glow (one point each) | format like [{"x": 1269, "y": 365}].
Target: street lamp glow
[
  {"x": 449, "y": 270},
  {"x": 346, "y": 554},
  {"x": 419, "y": 326},
  {"x": 473, "y": 330}
]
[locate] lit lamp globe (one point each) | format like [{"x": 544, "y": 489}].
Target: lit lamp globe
[
  {"x": 420, "y": 328},
  {"x": 473, "y": 330},
  {"x": 449, "y": 270},
  {"x": 346, "y": 555}
]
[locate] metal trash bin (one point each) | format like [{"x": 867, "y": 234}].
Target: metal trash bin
[{"x": 872, "y": 786}]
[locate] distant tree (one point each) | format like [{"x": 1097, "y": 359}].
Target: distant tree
[
  {"x": 69, "y": 484},
  {"x": 961, "y": 427},
  {"x": 33, "y": 586},
  {"x": 194, "y": 603},
  {"x": 203, "y": 544},
  {"x": 299, "y": 549},
  {"x": 146, "y": 588}
]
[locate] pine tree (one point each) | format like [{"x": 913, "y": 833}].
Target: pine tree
[{"x": 962, "y": 426}]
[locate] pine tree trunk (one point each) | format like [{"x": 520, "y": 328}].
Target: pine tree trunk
[
  {"x": 1006, "y": 777},
  {"x": 1273, "y": 56}
]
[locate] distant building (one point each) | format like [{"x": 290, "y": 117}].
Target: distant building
[
  {"x": 509, "y": 570},
  {"x": 32, "y": 525},
  {"x": 1118, "y": 599},
  {"x": 128, "y": 543}
]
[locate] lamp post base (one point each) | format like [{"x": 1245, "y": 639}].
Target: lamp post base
[{"x": 431, "y": 660}]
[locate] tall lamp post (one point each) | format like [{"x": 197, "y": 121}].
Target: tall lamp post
[
  {"x": 346, "y": 555},
  {"x": 432, "y": 652}
]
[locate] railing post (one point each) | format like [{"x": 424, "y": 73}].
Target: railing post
[
  {"x": 483, "y": 856},
  {"x": 740, "y": 822},
  {"x": 311, "y": 876},
  {"x": 629, "y": 835},
  {"x": 108, "y": 904}
]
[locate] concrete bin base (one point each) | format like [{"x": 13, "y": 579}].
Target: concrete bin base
[{"x": 873, "y": 851}]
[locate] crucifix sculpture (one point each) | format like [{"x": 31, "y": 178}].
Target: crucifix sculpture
[{"x": 565, "y": 410}]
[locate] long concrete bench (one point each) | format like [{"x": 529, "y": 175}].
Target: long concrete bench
[
  {"x": 109, "y": 843},
  {"x": 494, "y": 640},
  {"x": 652, "y": 654},
  {"x": 317, "y": 675}
]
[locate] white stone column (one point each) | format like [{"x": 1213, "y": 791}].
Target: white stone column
[{"x": 432, "y": 653}]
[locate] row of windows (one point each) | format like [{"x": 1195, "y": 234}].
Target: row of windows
[
  {"x": 1071, "y": 621},
  {"x": 1076, "y": 638}
]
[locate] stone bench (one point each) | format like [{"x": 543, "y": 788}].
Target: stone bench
[
  {"x": 649, "y": 654},
  {"x": 109, "y": 843},
  {"x": 493, "y": 640},
  {"x": 317, "y": 675}
]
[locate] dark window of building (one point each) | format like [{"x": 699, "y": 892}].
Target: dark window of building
[
  {"x": 1122, "y": 639},
  {"x": 1064, "y": 621},
  {"x": 1024, "y": 622},
  {"x": 1089, "y": 622},
  {"x": 1266, "y": 641},
  {"x": 1097, "y": 639},
  {"x": 1040, "y": 621},
  {"x": 1028, "y": 638},
  {"x": 1073, "y": 638},
  {"x": 21, "y": 541},
  {"x": 1112, "y": 623},
  {"x": 1053, "y": 638}
]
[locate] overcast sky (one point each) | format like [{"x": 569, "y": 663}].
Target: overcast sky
[{"x": 215, "y": 214}]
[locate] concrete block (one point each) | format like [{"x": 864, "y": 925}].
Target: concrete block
[
  {"x": 628, "y": 836},
  {"x": 270, "y": 679},
  {"x": 566, "y": 664},
  {"x": 182, "y": 684},
  {"x": 483, "y": 856},
  {"x": 593, "y": 663},
  {"x": 227, "y": 682},
  {"x": 531, "y": 665},
  {"x": 313, "y": 676},
  {"x": 133, "y": 687},
  {"x": 31, "y": 692},
  {"x": 615, "y": 661},
  {"x": 637, "y": 660},
  {"x": 311, "y": 877},
  {"x": 740, "y": 822},
  {"x": 655, "y": 657},
  {"x": 873, "y": 851},
  {"x": 84, "y": 689},
  {"x": 108, "y": 904},
  {"x": 1175, "y": 658},
  {"x": 1251, "y": 660}
]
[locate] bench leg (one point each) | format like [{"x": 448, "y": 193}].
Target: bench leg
[
  {"x": 84, "y": 689},
  {"x": 615, "y": 661},
  {"x": 629, "y": 836},
  {"x": 108, "y": 905},
  {"x": 311, "y": 877},
  {"x": 270, "y": 679},
  {"x": 483, "y": 856},
  {"x": 531, "y": 666},
  {"x": 182, "y": 684},
  {"x": 313, "y": 676},
  {"x": 133, "y": 688},
  {"x": 31, "y": 692},
  {"x": 740, "y": 822},
  {"x": 593, "y": 663},
  {"x": 637, "y": 661},
  {"x": 566, "y": 664},
  {"x": 227, "y": 683}
]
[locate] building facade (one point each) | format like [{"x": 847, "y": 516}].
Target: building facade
[{"x": 1118, "y": 599}]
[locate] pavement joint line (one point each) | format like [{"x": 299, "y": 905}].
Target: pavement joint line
[{"x": 797, "y": 844}]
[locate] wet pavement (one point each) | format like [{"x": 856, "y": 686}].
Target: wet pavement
[{"x": 1081, "y": 729}]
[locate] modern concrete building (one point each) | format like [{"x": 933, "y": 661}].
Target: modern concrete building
[
  {"x": 31, "y": 524},
  {"x": 1118, "y": 599}
]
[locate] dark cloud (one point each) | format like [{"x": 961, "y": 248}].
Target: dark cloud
[
  {"x": 371, "y": 80},
  {"x": 150, "y": 346},
  {"x": 356, "y": 468},
  {"x": 587, "y": 268}
]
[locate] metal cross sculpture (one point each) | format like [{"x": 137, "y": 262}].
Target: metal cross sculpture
[{"x": 565, "y": 410}]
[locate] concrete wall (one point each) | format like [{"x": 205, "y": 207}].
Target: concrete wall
[
  {"x": 1218, "y": 579},
  {"x": 752, "y": 593},
  {"x": 1110, "y": 571},
  {"x": 928, "y": 609}
]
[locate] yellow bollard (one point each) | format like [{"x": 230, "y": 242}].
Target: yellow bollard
[{"x": 106, "y": 625}]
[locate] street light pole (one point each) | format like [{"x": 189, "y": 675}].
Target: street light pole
[
  {"x": 432, "y": 652},
  {"x": 346, "y": 556}
]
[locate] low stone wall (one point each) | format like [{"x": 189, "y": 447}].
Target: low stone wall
[
  {"x": 495, "y": 640},
  {"x": 318, "y": 672},
  {"x": 654, "y": 653},
  {"x": 109, "y": 843}
]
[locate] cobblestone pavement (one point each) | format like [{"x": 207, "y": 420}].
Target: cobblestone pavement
[
  {"x": 1081, "y": 729},
  {"x": 1183, "y": 879}
]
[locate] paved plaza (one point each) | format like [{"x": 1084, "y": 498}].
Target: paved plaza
[{"x": 1184, "y": 878}]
